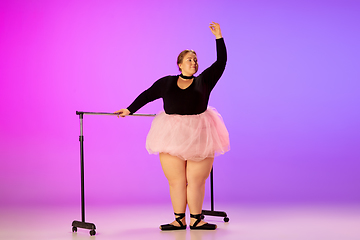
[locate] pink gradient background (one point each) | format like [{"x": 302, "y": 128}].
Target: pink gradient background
[{"x": 289, "y": 97}]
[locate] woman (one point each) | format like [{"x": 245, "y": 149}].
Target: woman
[{"x": 188, "y": 134}]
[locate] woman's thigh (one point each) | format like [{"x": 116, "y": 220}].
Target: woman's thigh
[
  {"x": 199, "y": 170},
  {"x": 174, "y": 168}
]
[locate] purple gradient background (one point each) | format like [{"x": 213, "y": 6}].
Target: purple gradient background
[{"x": 289, "y": 97}]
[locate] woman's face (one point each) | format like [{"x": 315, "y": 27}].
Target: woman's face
[{"x": 189, "y": 65}]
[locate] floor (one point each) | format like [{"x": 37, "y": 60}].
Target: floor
[{"x": 135, "y": 222}]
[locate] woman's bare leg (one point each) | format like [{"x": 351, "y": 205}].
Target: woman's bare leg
[
  {"x": 175, "y": 171},
  {"x": 197, "y": 173}
]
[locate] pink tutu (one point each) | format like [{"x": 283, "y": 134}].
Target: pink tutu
[{"x": 189, "y": 137}]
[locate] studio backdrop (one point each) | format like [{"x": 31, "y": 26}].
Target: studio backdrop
[{"x": 289, "y": 97}]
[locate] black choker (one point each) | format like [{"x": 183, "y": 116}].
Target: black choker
[{"x": 186, "y": 77}]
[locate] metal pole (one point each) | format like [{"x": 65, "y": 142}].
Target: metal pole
[
  {"x": 108, "y": 113},
  {"x": 81, "y": 139},
  {"x": 212, "y": 189}
]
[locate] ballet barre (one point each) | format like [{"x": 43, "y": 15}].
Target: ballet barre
[
  {"x": 83, "y": 223},
  {"x": 116, "y": 114},
  {"x": 91, "y": 226}
]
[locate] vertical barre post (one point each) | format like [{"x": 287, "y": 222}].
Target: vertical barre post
[
  {"x": 82, "y": 224},
  {"x": 212, "y": 189},
  {"x": 81, "y": 139},
  {"x": 212, "y": 212}
]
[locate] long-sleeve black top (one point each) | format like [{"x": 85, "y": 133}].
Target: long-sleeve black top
[{"x": 192, "y": 100}]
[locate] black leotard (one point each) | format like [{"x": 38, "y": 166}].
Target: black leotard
[{"x": 189, "y": 101}]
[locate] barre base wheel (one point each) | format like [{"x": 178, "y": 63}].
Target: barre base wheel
[
  {"x": 226, "y": 219},
  {"x": 85, "y": 225}
]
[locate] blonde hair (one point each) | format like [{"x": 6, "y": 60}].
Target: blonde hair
[{"x": 182, "y": 55}]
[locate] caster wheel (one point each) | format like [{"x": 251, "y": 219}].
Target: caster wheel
[
  {"x": 74, "y": 229},
  {"x": 92, "y": 232},
  {"x": 226, "y": 219}
]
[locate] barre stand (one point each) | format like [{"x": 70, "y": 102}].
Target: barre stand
[
  {"x": 83, "y": 223},
  {"x": 91, "y": 226},
  {"x": 212, "y": 212}
]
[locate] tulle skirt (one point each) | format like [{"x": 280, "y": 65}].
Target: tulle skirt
[{"x": 189, "y": 137}]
